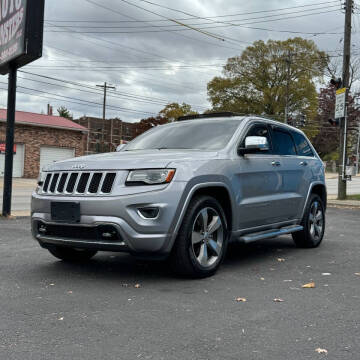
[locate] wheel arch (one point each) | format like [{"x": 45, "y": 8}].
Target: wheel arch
[
  {"x": 219, "y": 190},
  {"x": 318, "y": 188}
]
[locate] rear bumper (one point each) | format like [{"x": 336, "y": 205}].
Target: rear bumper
[{"x": 135, "y": 233}]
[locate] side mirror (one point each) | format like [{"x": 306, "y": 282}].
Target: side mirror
[
  {"x": 255, "y": 144},
  {"x": 120, "y": 147}
]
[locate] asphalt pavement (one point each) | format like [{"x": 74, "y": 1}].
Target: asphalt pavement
[{"x": 53, "y": 310}]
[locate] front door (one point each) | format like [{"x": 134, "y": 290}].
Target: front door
[{"x": 258, "y": 183}]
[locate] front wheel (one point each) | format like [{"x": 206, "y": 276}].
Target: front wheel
[
  {"x": 202, "y": 240},
  {"x": 313, "y": 223},
  {"x": 71, "y": 254}
]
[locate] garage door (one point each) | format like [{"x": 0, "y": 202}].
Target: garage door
[
  {"x": 18, "y": 166},
  {"x": 48, "y": 155}
]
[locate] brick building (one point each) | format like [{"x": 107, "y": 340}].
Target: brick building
[
  {"x": 115, "y": 132},
  {"x": 40, "y": 140}
]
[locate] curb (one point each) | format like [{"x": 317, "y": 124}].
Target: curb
[{"x": 352, "y": 204}]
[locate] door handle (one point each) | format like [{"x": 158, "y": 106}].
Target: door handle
[
  {"x": 303, "y": 163},
  {"x": 275, "y": 163}
]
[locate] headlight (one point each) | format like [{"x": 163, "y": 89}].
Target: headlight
[
  {"x": 40, "y": 181},
  {"x": 150, "y": 177}
]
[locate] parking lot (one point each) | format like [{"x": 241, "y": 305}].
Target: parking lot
[{"x": 116, "y": 308}]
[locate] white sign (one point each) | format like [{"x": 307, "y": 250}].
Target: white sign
[{"x": 340, "y": 103}]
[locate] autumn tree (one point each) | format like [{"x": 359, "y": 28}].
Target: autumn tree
[
  {"x": 174, "y": 110},
  {"x": 148, "y": 123},
  {"x": 64, "y": 112},
  {"x": 256, "y": 82},
  {"x": 327, "y": 140}
]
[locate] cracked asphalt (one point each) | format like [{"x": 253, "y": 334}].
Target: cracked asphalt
[{"x": 53, "y": 310}]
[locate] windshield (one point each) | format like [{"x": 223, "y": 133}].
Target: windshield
[{"x": 204, "y": 135}]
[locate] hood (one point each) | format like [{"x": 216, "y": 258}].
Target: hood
[{"x": 127, "y": 160}]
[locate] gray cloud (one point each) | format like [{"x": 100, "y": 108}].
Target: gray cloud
[{"x": 173, "y": 58}]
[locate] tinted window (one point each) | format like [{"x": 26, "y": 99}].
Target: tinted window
[
  {"x": 258, "y": 130},
  {"x": 283, "y": 143},
  {"x": 195, "y": 134},
  {"x": 302, "y": 145}
]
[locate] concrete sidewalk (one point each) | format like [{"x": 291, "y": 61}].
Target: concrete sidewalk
[{"x": 21, "y": 195}]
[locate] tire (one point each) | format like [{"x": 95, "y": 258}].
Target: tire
[
  {"x": 197, "y": 251},
  {"x": 72, "y": 255},
  {"x": 313, "y": 223}
]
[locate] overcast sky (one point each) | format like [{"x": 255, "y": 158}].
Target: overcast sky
[{"x": 151, "y": 60}]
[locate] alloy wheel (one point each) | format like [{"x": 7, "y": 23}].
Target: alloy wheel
[
  {"x": 207, "y": 237},
  {"x": 316, "y": 221}
]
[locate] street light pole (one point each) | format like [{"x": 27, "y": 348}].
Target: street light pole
[{"x": 9, "y": 149}]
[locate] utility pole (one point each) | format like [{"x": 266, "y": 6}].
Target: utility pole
[
  {"x": 346, "y": 78},
  {"x": 358, "y": 151},
  {"x": 288, "y": 62},
  {"x": 105, "y": 87}
]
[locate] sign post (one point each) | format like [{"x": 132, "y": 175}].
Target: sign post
[
  {"x": 341, "y": 112},
  {"x": 21, "y": 42}
]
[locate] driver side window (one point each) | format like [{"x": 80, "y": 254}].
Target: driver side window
[{"x": 258, "y": 130}]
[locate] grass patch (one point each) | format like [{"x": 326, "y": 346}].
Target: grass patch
[{"x": 353, "y": 197}]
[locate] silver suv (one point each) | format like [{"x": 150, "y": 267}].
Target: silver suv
[{"x": 183, "y": 191}]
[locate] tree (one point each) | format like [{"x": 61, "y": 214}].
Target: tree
[
  {"x": 64, "y": 112},
  {"x": 256, "y": 81},
  {"x": 148, "y": 123},
  {"x": 327, "y": 139},
  {"x": 174, "y": 110}
]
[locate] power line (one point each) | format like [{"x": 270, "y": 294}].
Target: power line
[
  {"x": 226, "y": 24},
  {"x": 112, "y": 93},
  {"x": 192, "y": 17},
  {"x": 85, "y": 102}
]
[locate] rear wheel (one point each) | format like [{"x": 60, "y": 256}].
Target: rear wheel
[
  {"x": 202, "y": 240},
  {"x": 71, "y": 254},
  {"x": 313, "y": 223}
]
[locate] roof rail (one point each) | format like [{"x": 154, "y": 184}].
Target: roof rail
[{"x": 210, "y": 115}]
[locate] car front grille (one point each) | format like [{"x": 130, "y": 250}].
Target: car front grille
[{"x": 78, "y": 183}]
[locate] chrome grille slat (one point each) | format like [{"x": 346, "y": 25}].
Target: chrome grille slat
[{"x": 79, "y": 183}]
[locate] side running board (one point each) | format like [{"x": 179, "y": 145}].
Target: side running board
[{"x": 247, "y": 238}]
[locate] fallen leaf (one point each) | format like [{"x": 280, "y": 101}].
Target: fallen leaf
[
  {"x": 326, "y": 274},
  {"x": 239, "y": 299},
  {"x": 51, "y": 284},
  {"x": 278, "y": 300},
  {"x": 280, "y": 259},
  {"x": 310, "y": 285},
  {"x": 70, "y": 292},
  {"x": 358, "y": 274},
  {"x": 137, "y": 286},
  {"x": 321, "y": 351},
  {"x": 61, "y": 319},
  {"x": 262, "y": 278}
]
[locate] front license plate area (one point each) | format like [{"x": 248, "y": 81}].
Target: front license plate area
[{"x": 68, "y": 212}]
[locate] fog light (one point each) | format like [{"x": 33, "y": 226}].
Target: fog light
[
  {"x": 148, "y": 212},
  {"x": 42, "y": 229}
]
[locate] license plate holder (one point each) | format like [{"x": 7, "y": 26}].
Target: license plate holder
[{"x": 66, "y": 212}]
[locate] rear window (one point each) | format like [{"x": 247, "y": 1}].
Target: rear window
[
  {"x": 302, "y": 145},
  {"x": 283, "y": 143}
]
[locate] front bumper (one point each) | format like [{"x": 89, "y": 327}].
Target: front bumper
[{"x": 135, "y": 233}]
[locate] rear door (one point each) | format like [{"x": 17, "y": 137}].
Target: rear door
[
  {"x": 291, "y": 171},
  {"x": 307, "y": 161}
]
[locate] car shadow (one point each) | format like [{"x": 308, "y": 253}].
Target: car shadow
[{"x": 125, "y": 268}]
